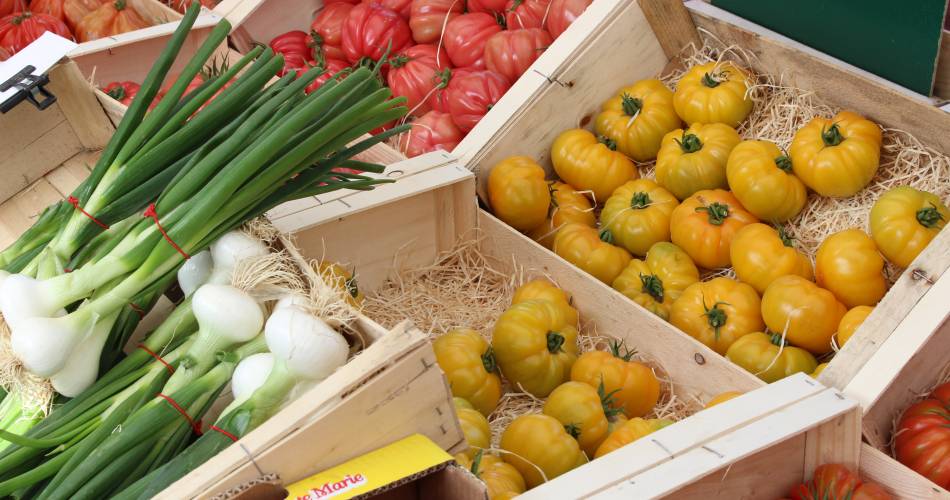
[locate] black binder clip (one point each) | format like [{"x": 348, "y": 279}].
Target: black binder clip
[{"x": 31, "y": 88}]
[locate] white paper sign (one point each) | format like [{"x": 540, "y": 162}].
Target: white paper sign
[{"x": 42, "y": 54}]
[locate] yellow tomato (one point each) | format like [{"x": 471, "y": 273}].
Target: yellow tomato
[
  {"x": 567, "y": 205},
  {"x": 545, "y": 290},
  {"x": 637, "y": 118},
  {"x": 818, "y": 369},
  {"x": 475, "y": 429},
  {"x": 904, "y": 220},
  {"x": 501, "y": 479},
  {"x": 850, "y": 323},
  {"x": 761, "y": 177},
  {"x": 540, "y": 441},
  {"x": 655, "y": 283},
  {"x": 836, "y": 157},
  {"x": 585, "y": 412},
  {"x": 629, "y": 432},
  {"x": 518, "y": 193},
  {"x": 717, "y": 312},
  {"x": 768, "y": 358},
  {"x": 631, "y": 384},
  {"x": 695, "y": 159},
  {"x": 341, "y": 279},
  {"x": 806, "y": 313},
  {"x": 637, "y": 215},
  {"x": 849, "y": 265},
  {"x": 535, "y": 346},
  {"x": 705, "y": 224},
  {"x": 582, "y": 246},
  {"x": 590, "y": 165},
  {"x": 713, "y": 93},
  {"x": 760, "y": 254},
  {"x": 722, "y": 398},
  {"x": 469, "y": 365}
]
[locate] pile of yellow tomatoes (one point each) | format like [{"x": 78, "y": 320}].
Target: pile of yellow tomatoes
[
  {"x": 594, "y": 403},
  {"x": 717, "y": 202}
]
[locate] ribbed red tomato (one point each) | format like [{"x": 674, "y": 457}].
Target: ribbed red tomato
[
  {"x": 432, "y": 131},
  {"x": 351, "y": 2},
  {"x": 111, "y": 18},
  {"x": 413, "y": 74},
  {"x": 51, "y": 7},
  {"x": 401, "y": 7},
  {"x": 471, "y": 94},
  {"x": 370, "y": 29},
  {"x": 7, "y": 7},
  {"x": 75, "y": 10},
  {"x": 465, "y": 38},
  {"x": 923, "y": 437},
  {"x": 19, "y": 29},
  {"x": 522, "y": 14},
  {"x": 487, "y": 6},
  {"x": 296, "y": 49},
  {"x": 563, "y": 13},
  {"x": 427, "y": 17},
  {"x": 4, "y": 54},
  {"x": 837, "y": 482},
  {"x": 331, "y": 67},
  {"x": 510, "y": 53},
  {"x": 326, "y": 30},
  {"x": 122, "y": 91}
]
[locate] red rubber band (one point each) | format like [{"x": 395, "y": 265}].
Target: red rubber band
[
  {"x": 171, "y": 369},
  {"x": 137, "y": 309},
  {"x": 152, "y": 214},
  {"x": 226, "y": 433},
  {"x": 195, "y": 424},
  {"x": 67, "y": 270},
  {"x": 72, "y": 200}
]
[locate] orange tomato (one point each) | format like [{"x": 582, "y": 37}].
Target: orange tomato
[
  {"x": 705, "y": 224},
  {"x": 849, "y": 265},
  {"x": 632, "y": 384}
]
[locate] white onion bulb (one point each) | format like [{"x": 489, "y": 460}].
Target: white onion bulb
[
  {"x": 310, "y": 347},
  {"x": 195, "y": 272}
]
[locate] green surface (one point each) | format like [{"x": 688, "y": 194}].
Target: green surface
[{"x": 895, "y": 39}]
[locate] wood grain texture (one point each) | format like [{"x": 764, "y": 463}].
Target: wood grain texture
[
  {"x": 897, "y": 479},
  {"x": 77, "y": 101},
  {"x": 942, "y": 75},
  {"x": 671, "y": 24}
]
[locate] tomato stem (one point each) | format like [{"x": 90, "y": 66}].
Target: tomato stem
[
  {"x": 606, "y": 236},
  {"x": 119, "y": 4},
  {"x": 690, "y": 143},
  {"x": 607, "y": 401},
  {"x": 929, "y": 217},
  {"x": 784, "y": 163},
  {"x": 652, "y": 286},
  {"x": 399, "y": 61},
  {"x": 477, "y": 462},
  {"x": 555, "y": 342},
  {"x": 616, "y": 346},
  {"x": 488, "y": 360},
  {"x": 640, "y": 200},
  {"x": 715, "y": 316},
  {"x": 117, "y": 93},
  {"x": 831, "y": 136},
  {"x": 713, "y": 79},
  {"x": 631, "y": 105},
  {"x": 718, "y": 212},
  {"x": 573, "y": 429},
  {"x": 606, "y": 141},
  {"x": 352, "y": 287},
  {"x": 783, "y": 235},
  {"x": 776, "y": 339}
]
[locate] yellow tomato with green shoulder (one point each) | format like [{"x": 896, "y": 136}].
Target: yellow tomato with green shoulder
[
  {"x": 848, "y": 264},
  {"x": 629, "y": 432},
  {"x": 475, "y": 428},
  {"x": 656, "y": 282},
  {"x": 837, "y": 157},
  {"x": 469, "y": 365},
  {"x": 637, "y": 118},
  {"x": 904, "y": 220},
  {"x": 695, "y": 159},
  {"x": 760, "y": 176},
  {"x": 541, "y": 289},
  {"x": 807, "y": 314},
  {"x": 540, "y": 441},
  {"x": 760, "y": 254},
  {"x": 535, "y": 346},
  {"x": 717, "y": 312},
  {"x": 585, "y": 412},
  {"x": 850, "y": 322},
  {"x": 705, "y": 224},
  {"x": 637, "y": 215},
  {"x": 518, "y": 193},
  {"x": 589, "y": 164},
  {"x": 501, "y": 478},
  {"x": 632, "y": 385},
  {"x": 567, "y": 205},
  {"x": 585, "y": 247},
  {"x": 714, "y": 92},
  {"x": 768, "y": 357},
  {"x": 722, "y": 398}
]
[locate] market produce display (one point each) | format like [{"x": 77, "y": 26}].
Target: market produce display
[
  {"x": 922, "y": 434},
  {"x": 837, "y": 482}
]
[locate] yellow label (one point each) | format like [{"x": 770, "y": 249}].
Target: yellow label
[{"x": 373, "y": 470}]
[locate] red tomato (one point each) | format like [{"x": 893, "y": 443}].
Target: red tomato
[
  {"x": 427, "y": 17},
  {"x": 401, "y": 7},
  {"x": 326, "y": 29},
  {"x": 351, "y": 2},
  {"x": 19, "y": 29},
  {"x": 471, "y": 94},
  {"x": 7, "y": 7},
  {"x": 562, "y": 14},
  {"x": 432, "y": 131},
  {"x": 122, "y": 91},
  {"x": 331, "y": 67},
  {"x": 51, "y": 7},
  {"x": 510, "y": 53},
  {"x": 413, "y": 74},
  {"x": 521, "y": 14},
  {"x": 465, "y": 38},
  {"x": 923, "y": 437},
  {"x": 4, "y": 55},
  {"x": 486, "y": 6},
  {"x": 370, "y": 29},
  {"x": 837, "y": 482},
  {"x": 296, "y": 49}
]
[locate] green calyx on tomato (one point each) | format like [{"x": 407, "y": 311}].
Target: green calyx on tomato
[
  {"x": 606, "y": 236},
  {"x": 607, "y": 401},
  {"x": 784, "y": 163},
  {"x": 119, "y": 4},
  {"x": 616, "y": 346},
  {"x": 653, "y": 286},
  {"x": 22, "y": 17},
  {"x": 118, "y": 93},
  {"x": 640, "y": 200},
  {"x": 716, "y": 317},
  {"x": 690, "y": 143},
  {"x": 555, "y": 342},
  {"x": 443, "y": 77},
  {"x": 929, "y": 217},
  {"x": 776, "y": 339},
  {"x": 477, "y": 462},
  {"x": 573, "y": 429},
  {"x": 399, "y": 61},
  {"x": 631, "y": 105},
  {"x": 783, "y": 235},
  {"x": 607, "y": 141},
  {"x": 831, "y": 136},
  {"x": 488, "y": 360},
  {"x": 515, "y": 5},
  {"x": 712, "y": 80},
  {"x": 718, "y": 212}
]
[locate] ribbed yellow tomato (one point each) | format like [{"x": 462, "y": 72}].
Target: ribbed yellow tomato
[
  {"x": 590, "y": 165},
  {"x": 629, "y": 432},
  {"x": 518, "y": 193},
  {"x": 761, "y": 177},
  {"x": 818, "y": 369},
  {"x": 632, "y": 385},
  {"x": 474, "y": 427},
  {"x": 806, "y": 313},
  {"x": 717, "y": 312},
  {"x": 567, "y": 205},
  {"x": 713, "y": 93},
  {"x": 585, "y": 412},
  {"x": 637, "y": 215},
  {"x": 849, "y": 265},
  {"x": 760, "y": 254},
  {"x": 469, "y": 365},
  {"x": 705, "y": 224},
  {"x": 695, "y": 159},
  {"x": 341, "y": 279},
  {"x": 540, "y": 441},
  {"x": 850, "y": 323},
  {"x": 656, "y": 282},
  {"x": 582, "y": 246},
  {"x": 766, "y": 356},
  {"x": 722, "y": 398},
  {"x": 535, "y": 346},
  {"x": 637, "y": 118},
  {"x": 541, "y": 289},
  {"x": 904, "y": 220},
  {"x": 836, "y": 157},
  {"x": 501, "y": 478}
]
